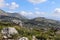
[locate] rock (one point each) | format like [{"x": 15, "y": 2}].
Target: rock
[
  {"x": 34, "y": 38},
  {"x": 23, "y": 38},
  {"x": 18, "y": 22},
  {"x": 9, "y": 31}
]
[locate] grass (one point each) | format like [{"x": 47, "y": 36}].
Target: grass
[{"x": 25, "y": 32}]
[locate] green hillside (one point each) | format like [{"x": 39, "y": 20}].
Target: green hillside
[
  {"x": 39, "y": 27},
  {"x": 48, "y": 33}
]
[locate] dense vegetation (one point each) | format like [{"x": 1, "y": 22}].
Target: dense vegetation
[{"x": 48, "y": 34}]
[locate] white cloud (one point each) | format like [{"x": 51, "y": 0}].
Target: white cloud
[
  {"x": 24, "y": 13},
  {"x": 36, "y": 8},
  {"x": 7, "y": 4},
  {"x": 2, "y": 3},
  {"x": 10, "y": 11},
  {"x": 56, "y": 13},
  {"x": 13, "y": 5},
  {"x": 37, "y": 13},
  {"x": 57, "y": 10},
  {"x": 32, "y": 14},
  {"x": 37, "y": 1}
]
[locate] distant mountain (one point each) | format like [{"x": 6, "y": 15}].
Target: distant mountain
[
  {"x": 42, "y": 22},
  {"x": 3, "y": 12},
  {"x": 36, "y": 22},
  {"x": 39, "y": 19},
  {"x": 17, "y": 15}
]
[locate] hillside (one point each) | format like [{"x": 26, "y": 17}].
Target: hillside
[
  {"x": 17, "y": 15},
  {"x": 42, "y": 22},
  {"x": 15, "y": 26},
  {"x": 36, "y": 22}
]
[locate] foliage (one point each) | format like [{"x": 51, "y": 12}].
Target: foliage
[{"x": 49, "y": 34}]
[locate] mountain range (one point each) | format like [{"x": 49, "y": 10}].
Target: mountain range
[
  {"x": 36, "y": 22},
  {"x": 17, "y": 15}
]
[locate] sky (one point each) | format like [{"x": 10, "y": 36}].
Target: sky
[{"x": 33, "y": 8}]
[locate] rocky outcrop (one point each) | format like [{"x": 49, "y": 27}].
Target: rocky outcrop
[
  {"x": 19, "y": 22},
  {"x": 8, "y": 31},
  {"x": 24, "y": 38}
]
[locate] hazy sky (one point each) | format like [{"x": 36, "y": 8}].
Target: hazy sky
[{"x": 33, "y": 8}]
